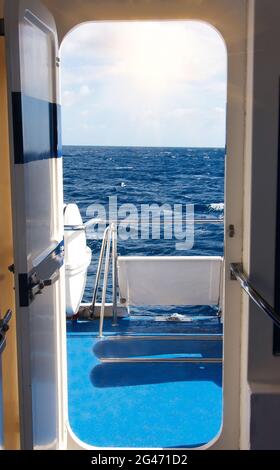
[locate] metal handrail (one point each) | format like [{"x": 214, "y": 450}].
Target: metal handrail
[
  {"x": 109, "y": 238},
  {"x": 99, "y": 268},
  {"x": 139, "y": 221},
  {"x": 114, "y": 271},
  {"x": 82, "y": 227},
  {"x": 239, "y": 275}
]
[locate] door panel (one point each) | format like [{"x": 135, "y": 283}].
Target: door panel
[{"x": 38, "y": 215}]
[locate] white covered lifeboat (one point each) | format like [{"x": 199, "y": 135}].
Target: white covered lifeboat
[{"x": 77, "y": 258}]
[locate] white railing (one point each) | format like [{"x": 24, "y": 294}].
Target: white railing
[{"x": 109, "y": 252}]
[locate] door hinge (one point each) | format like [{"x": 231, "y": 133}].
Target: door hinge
[
  {"x": 231, "y": 231},
  {"x": 4, "y": 327},
  {"x": 11, "y": 268},
  {"x": 4, "y": 322},
  {"x": 2, "y": 27}
]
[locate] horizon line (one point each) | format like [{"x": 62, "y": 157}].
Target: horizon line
[{"x": 147, "y": 146}]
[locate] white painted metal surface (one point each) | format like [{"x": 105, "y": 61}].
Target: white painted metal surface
[
  {"x": 77, "y": 259},
  {"x": 170, "y": 280}
]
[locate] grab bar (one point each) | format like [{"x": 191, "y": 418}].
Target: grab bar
[{"x": 238, "y": 274}]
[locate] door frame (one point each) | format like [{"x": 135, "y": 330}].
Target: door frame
[{"x": 230, "y": 20}]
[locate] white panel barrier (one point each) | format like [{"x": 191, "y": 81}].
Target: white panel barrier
[{"x": 173, "y": 280}]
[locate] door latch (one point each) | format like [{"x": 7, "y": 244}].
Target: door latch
[
  {"x": 36, "y": 285},
  {"x": 45, "y": 273}
]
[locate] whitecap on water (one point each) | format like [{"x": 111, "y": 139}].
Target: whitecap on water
[
  {"x": 124, "y": 168},
  {"x": 217, "y": 207}
]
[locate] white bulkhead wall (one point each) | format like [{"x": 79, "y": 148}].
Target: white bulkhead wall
[{"x": 260, "y": 411}]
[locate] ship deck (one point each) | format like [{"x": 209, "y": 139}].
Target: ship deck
[{"x": 146, "y": 384}]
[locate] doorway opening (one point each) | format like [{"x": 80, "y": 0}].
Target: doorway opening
[{"x": 143, "y": 127}]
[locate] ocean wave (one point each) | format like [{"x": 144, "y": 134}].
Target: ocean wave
[
  {"x": 148, "y": 176},
  {"x": 217, "y": 206},
  {"x": 124, "y": 168}
]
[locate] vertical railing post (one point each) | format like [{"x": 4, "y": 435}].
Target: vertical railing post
[
  {"x": 110, "y": 236},
  {"x": 114, "y": 272},
  {"x": 98, "y": 273},
  {"x": 105, "y": 282}
]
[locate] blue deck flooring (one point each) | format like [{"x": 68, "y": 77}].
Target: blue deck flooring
[{"x": 145, "y": 405}]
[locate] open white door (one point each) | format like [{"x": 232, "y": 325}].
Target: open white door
[{"x": 38, "y": 220}]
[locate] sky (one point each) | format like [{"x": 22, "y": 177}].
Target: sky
[{"x": 144, "y": 84}]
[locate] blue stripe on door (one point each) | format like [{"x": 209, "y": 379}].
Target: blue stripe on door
[
  {"x": 17, "y": 127},
  {"x": 23, "y": 289},
  {"x": 36, "y": 126}
]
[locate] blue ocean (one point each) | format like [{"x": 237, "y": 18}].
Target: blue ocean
[{"x": 140, "y": 175}]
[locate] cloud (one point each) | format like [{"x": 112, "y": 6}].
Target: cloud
[
  {"x": 84, "y": 90},
  {"x": 68, "y": 98},
  {"x": 91, "y": 40},
  {"x": 179, "y": 50},
  {"x": 74, "y": 96},
  {"x": 144, "y": 82},
  {"x": 220, "y": 111},
  {"x": 181, "y": 113}
]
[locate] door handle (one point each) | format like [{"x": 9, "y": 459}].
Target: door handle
[{"x": 237, "y": 274}]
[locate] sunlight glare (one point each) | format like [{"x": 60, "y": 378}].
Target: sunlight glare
[{"x": 155, "y": 55}]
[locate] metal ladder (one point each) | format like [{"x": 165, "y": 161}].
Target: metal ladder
[{"x": 109, "y": 241}]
